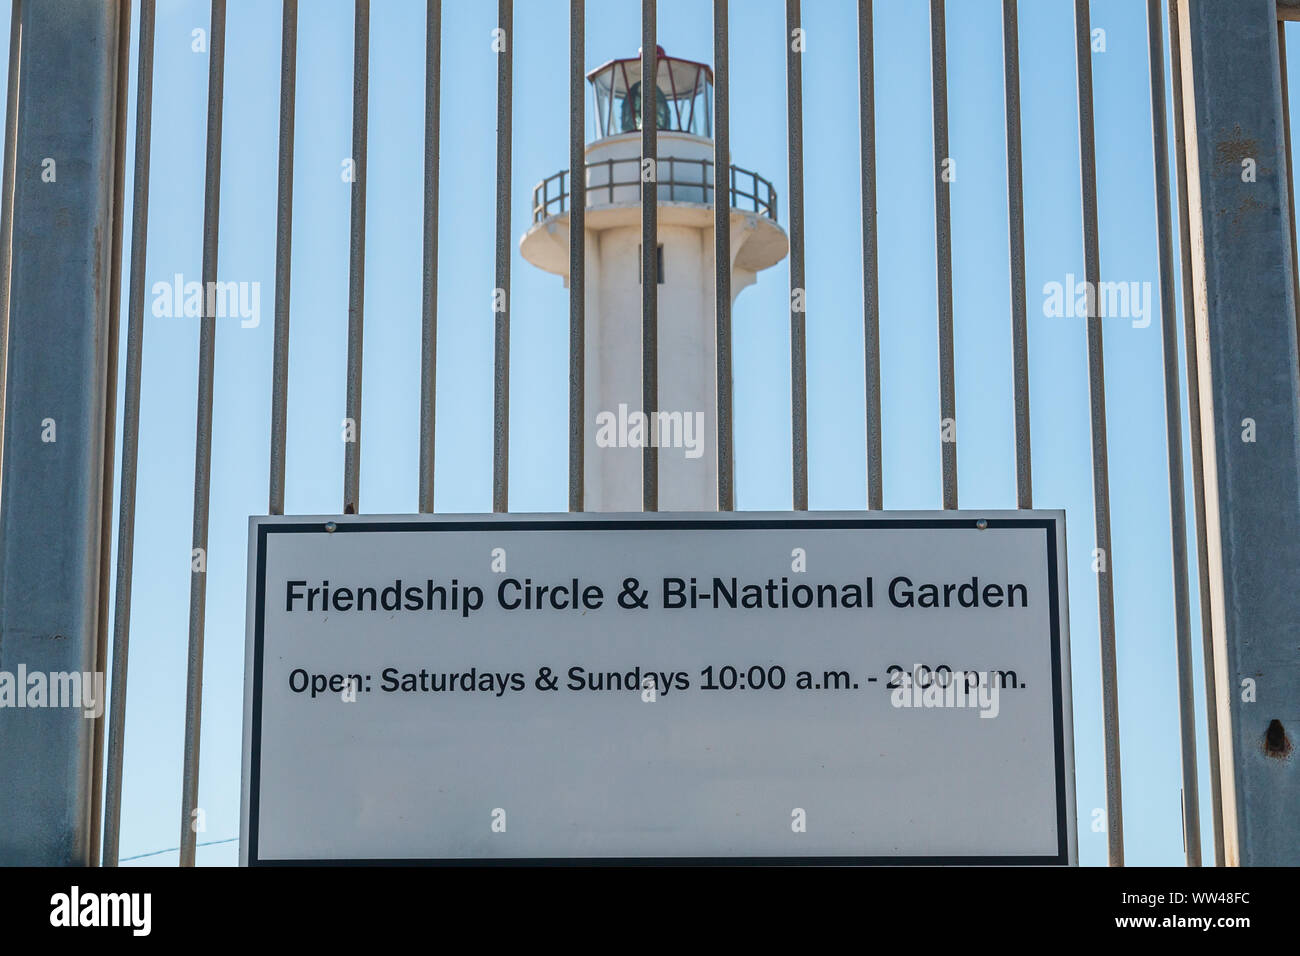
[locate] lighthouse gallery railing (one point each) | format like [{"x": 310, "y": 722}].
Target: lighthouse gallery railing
[{"x": 680, "y": 180}]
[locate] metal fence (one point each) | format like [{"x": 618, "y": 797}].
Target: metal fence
[{"x": 574, "y": 195}]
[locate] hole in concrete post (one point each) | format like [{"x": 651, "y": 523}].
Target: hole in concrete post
[{"x": 1276, "y": 743}]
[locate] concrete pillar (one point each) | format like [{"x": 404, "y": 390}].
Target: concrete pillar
[{"x": 1250, "y": 410}]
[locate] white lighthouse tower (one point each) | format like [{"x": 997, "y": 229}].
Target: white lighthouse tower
[{"x": 688, "y": 478}]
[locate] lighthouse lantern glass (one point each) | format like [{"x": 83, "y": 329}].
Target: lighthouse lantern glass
[{"x": 683, "y": 97}]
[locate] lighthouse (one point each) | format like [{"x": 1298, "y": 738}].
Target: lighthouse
[{"x": 685, "y": 427}]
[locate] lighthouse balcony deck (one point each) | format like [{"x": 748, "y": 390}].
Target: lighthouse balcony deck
[{"x": 617, "y": 180}]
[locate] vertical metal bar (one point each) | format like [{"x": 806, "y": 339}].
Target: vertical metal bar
[
  {"x": 7, "y": 203},
  {"x": 943, "y": 251},
  {"x": 1190, "y": 357},
  {"x": 110, "y": 407},
  {"x": 283, "y": 254},
  {"x": 870, "y": 258},
  {"x": 1016, "y": 229},
  {"x": 798, "y": 293},
  {"x": 1290, "y": 173},
  {"x": 429, "y": 303},
  {"x": 1250, "y": 393},
  {"x": 577, "y": 255},
  {"x": 203, "y": 432},
  {"x": 1100, "y": 473},
  {"x": 50, "y": 516},
  {"x": 501, "y": 295},
  {"x": 649, "y": 256},
  {"x": 722, "y": 254},
  {"x": 130, "y": 432},
  {"x": 1174, "y": 439},
  {"x": 357, "y": 253}
]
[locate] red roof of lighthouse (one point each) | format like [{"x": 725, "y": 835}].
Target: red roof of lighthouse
[{"x": 677, "y": 77}]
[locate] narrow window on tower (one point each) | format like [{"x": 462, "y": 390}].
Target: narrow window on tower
[{"x": 660, "y": 261}]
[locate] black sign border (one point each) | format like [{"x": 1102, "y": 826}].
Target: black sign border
[{"x": 541, "y": 522}]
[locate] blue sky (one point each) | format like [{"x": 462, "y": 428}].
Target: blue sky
[{"x": 1058, "y": 383}]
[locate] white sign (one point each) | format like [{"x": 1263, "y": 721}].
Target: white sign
[{"x": 826, "y": 687}]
